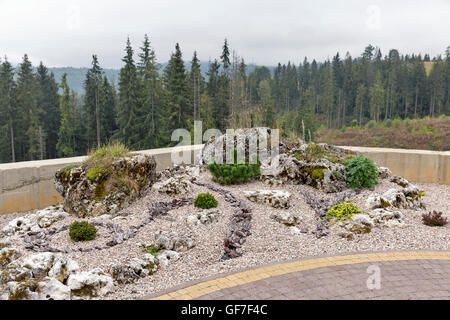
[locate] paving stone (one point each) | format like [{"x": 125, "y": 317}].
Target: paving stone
[{"x": 404, "y": 280}]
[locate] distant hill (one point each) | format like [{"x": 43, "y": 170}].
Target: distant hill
[{"x": 76, "y": 76}]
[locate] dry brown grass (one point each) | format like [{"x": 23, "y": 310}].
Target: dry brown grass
[{"x": 423, "y": 134}]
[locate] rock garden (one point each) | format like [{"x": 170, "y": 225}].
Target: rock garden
[{"x": 125, "y": 231}]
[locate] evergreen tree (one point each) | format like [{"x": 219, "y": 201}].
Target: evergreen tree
[
  {"x": 267, "y": 104},
  {"x": 153, "y": 120},
  {"x": 66, "y": 138},
  {"x": 8, "y": 110},
  {"x": 376, "y": 98},
  {"x": 129, "y": 109},
  {"x": 27, "y": 107},
  {"x": 92, "y": 107},
  {"x": 176, "y": 84},
  {"x": 48, "y": 102}
]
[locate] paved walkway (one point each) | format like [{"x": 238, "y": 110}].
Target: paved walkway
[{"x": 387, "y": 275}]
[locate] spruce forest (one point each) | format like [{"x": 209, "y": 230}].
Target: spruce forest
[{"x": 43, "y": 119}]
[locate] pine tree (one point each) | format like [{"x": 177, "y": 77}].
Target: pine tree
[
  {"x": 196, "y": 83},
  {"x": 92, "y": 107},
  {"x": 8, "y": 109},
  {"x": 153, "y": 120},
  {"x": 267, "y": 104},
  {"x": 48, "y": 101},
  {"x": 27, "y": 107},
  {"x": 108, "y": 106},
  {"x": 176, "y": 84},
  {"x": 129, "y": 109},
  {"x": 376, "y": 98},
  {"x": 66, "y": 144}
]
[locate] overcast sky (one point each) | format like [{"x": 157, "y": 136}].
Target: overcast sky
[{"x": 67, "y": 33}]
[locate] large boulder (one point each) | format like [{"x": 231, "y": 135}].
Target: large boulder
[
  {"x": 39, "y": 277},
  {"x": 91, "y": 191},
  {"x": 318, "y": 165},
  {"x": 242, "y": 139}
]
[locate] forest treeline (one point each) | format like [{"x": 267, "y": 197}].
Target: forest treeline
[{"x": 43, "y": 119}]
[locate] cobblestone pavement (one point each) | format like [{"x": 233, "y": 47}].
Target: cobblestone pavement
[
  {"x": 403, "y": 280},
  {"x": 368, "y": 276}
]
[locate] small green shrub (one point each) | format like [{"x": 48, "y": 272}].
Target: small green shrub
[
  {"x": 371, "y": 124},
  {"x": 82, "y": 231},
  {"x": 361, "y": 173},
  {"x": 227, "y": 174},
  {"x": 206, "y": 201},
  {"x": 151, "y": 249},
  {"x": 342, "y": 211}
]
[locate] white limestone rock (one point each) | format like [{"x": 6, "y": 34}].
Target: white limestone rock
[
  {"x": 166, "y": 256},
  {"x": 404, "y": 198},
  {"x": 53, "y": 289},
  {"x": 273, "y": 198},
  {"x": 179, "y": 185},
  {"x": 49, "y": 264},
  {"x": 91, "y": 284},
  {"x": 134, "y": 269},
  {"x": 166, "y": 240},
  {"x": 286, "y": 218},
  {"x": 35, "y": 222},
  {"x": 358, "y": 224},
  {"x": 295, "y": 231},
  {"x": 24, "y": 290},
  {"x": 204, "y": 217},
  {"x": 384, "y": 172},
  {"x": 386, "y": 218}
]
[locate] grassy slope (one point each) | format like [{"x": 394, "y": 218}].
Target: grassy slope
[{"x": 424, "y": 134}]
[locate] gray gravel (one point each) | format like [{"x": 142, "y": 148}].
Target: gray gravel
[{"x": 270, "y": 241}]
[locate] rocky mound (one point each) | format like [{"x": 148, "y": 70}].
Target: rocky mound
[
  {"x": 318, "y": 165},
  {"x": 89, "y": 191}
]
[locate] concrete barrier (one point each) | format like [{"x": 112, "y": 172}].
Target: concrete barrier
[
  {"x": 27, "y": 186},
  {"x": 414, "y": 165}
]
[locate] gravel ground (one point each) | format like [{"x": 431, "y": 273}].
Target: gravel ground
[{"x": 270, "y": 241}]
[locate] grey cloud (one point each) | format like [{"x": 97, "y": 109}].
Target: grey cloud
[{"x": 264, "y": 32}]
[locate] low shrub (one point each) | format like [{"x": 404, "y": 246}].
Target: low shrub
[
  {"x": 235, "y": 173},
  {"x": 361, "y": 173},
  {"x": 206, "y": 201},
  {"x": 82, "y": 231},
  {"x": 153, "y": 250},
  {"x": 434, "y": 219},
  {"x": 342, "y": 211}
]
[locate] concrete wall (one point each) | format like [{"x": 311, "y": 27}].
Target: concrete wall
[
  {"x": 29, "y": 185},
  {"x": 414, "y": 165}
]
